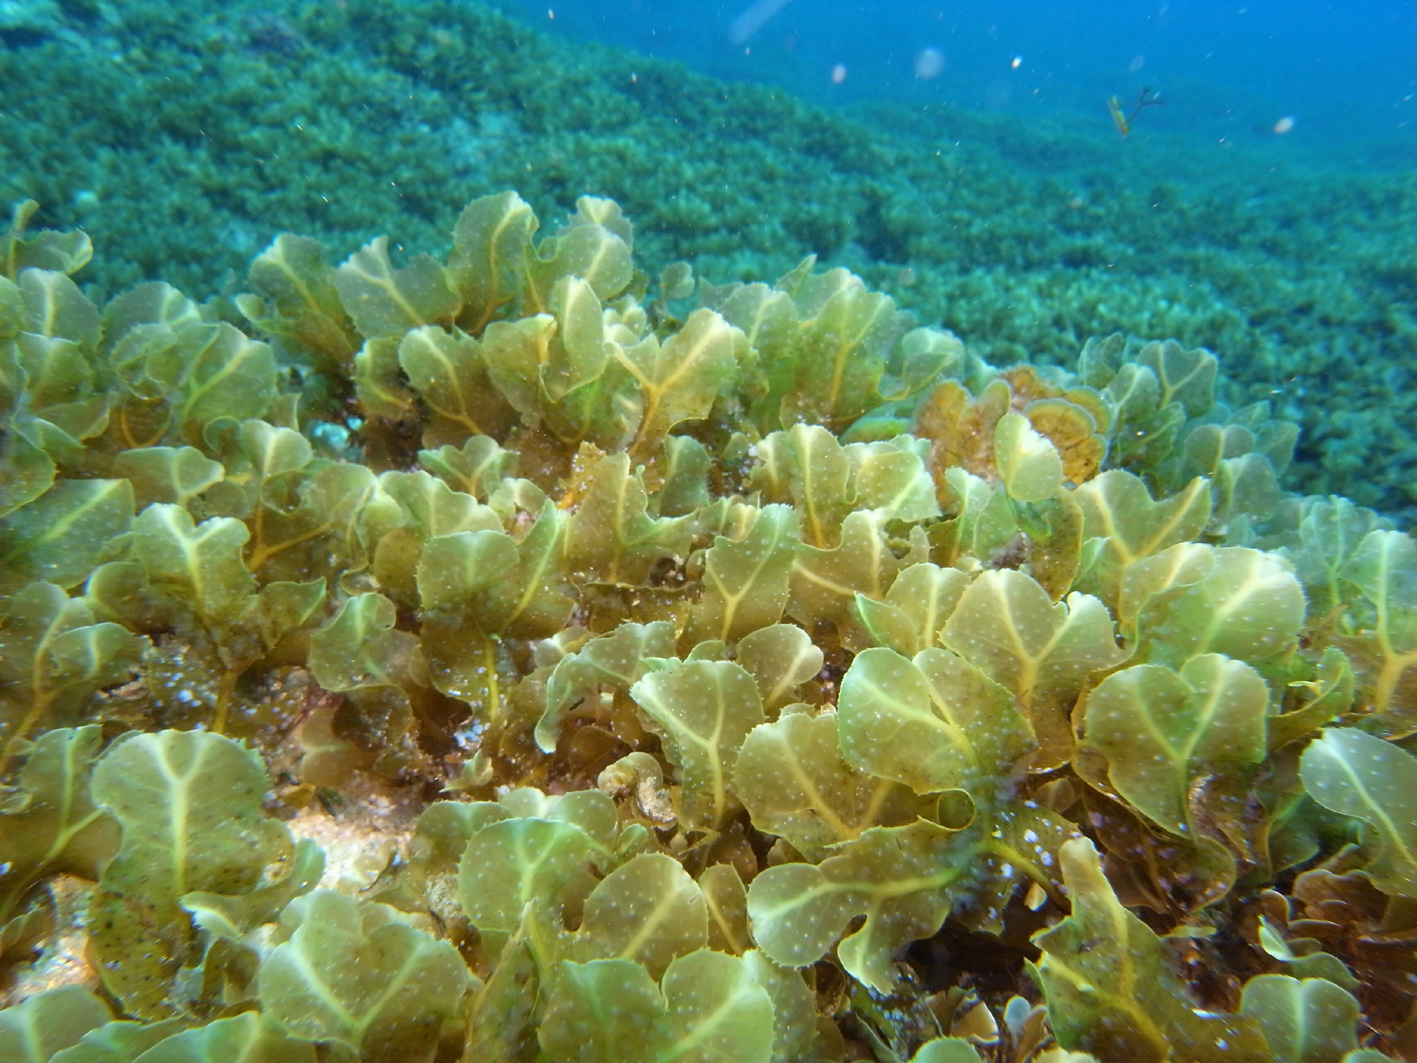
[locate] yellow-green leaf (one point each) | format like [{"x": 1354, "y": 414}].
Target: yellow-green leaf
[
  {"x": 1118, "y": 509},
  {"x": 491, "y": 244},
  {"x": 795, "y": 783},
  {"x": 934, "y": 723},
  {"x": 1192, "y": 599},
  {"x": 1308, "y": 1021},
  {"x": 449, "y": 373},
  {"x": 897, "y": 877},
  {"x": 648, "y": 910},
  {"x": 200, "y": 566},
  {"x": 1112, "y": 988},
  {"x": 704, "y": 709},
  {"x": 384, "y": 301},
  {"x": 353, "y": 973},
  {"x": 292, "y": 273},
  {"x": 1163, "y": 732},
  {"x": 680, "y": 379},
  {"x": 190, "y": 807},
  {"x": 746, "y": 580},
  {"x": 59, "y": 536},
  {"x": 1358, "y": 775},
  {"x": 1029, "y": 465}
]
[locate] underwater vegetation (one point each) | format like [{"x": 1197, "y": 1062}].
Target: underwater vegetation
[
  {"x": 182, "y": 136},
  {"x": 776, "y": 680}
]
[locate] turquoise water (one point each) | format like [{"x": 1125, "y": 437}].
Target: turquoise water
[{"x": 1340, "y": 71}]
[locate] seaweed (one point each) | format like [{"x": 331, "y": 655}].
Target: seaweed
[{"x": 776, "y": 681}]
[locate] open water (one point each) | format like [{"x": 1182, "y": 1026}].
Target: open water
[{"x": 1336, "y": 70}]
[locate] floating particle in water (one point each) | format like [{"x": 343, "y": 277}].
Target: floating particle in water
[
  {"x": 1284, "y": 125},
  {"x": 1016, "y": 62},
  {"x": 929, "y": 63},
  {"x": 838, "y": 73}
]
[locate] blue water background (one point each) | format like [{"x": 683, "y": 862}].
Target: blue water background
[{"x": 1344, "y": 72}]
